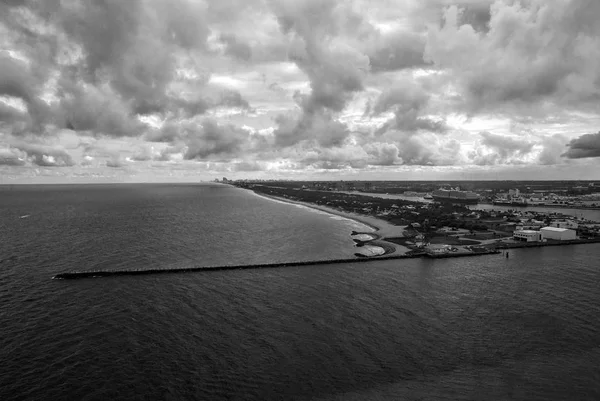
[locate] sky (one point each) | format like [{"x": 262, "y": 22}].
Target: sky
[{"x": 190, "y": 90}]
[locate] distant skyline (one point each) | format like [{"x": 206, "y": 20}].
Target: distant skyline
[{"x": 190, "y": 90}]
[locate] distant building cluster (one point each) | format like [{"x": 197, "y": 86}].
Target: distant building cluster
[
  {"x": 573, "y": 196},
  {"x": 364, "y": 186},
  {"x": 536, "y": 231}
]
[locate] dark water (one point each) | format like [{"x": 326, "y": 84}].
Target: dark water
[{"x": 526, "y": 327}]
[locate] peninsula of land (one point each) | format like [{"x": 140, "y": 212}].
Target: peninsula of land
[{"x": 408, "y": 227}]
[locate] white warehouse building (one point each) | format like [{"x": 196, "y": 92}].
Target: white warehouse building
[
  {"x": 527, "y": 235},
  {"x": 555, "y": 233}
]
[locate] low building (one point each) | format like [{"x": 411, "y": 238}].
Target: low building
[
  {"x": 555, "y": 233},
  {"x": 528, "y": 226},
  {"x": 564, "y": 223},
  {"x": 527, "y": 235}
]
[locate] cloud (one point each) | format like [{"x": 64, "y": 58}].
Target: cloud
[
  {"x": 144, "y": 153},
  {"x": 297, "y": 85},
  {"x": 99, "y": 111},
  {"x": 44, "y": 155},
  {"x": 587, "y": 145},
  {"x": 171, "y": 152},
  {"x": 382, "y": 154},
  {"x": 397, "y": 50},
  {"x": 424, "y": 149},
  {"x": 212, "y": 139},
  {"x": 135, "y": 44},
  {"x": 98, "y": 66},
  {"x": 533, "y": 52},
  {"x": 235, "y": 47},
  {"x": 201, "y": 140},
  {"x": 552, "y": 149},
  {"x": 335, "y": 68},
  {"x": 502, "y": 150},
  {"x": 248, "y": 166},
  {"x": 11, "y": 115},
  {"x": 322, "y": 128},
  {"x": 505, "y": 146},
  {"x": 409, "y": 101},
  {"x": 116, "y": 162},
  {"x": 336, "y": 158},
  {"x": 17, "y": 81},
  {"x": 12, "y": 157}
]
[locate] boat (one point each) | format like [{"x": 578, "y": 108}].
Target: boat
[
  {"x": 455, "y": 196},
  {"x": 428, "y": 197}
]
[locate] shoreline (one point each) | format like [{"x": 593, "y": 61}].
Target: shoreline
[
  {"x": 320, "y": 208},
  {"x": 381, "y": 227}
]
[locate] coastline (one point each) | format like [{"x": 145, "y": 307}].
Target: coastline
[{"x": 381, "y": 227}]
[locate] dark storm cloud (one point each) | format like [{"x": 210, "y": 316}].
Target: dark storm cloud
[{"x": 587, "y": 145}]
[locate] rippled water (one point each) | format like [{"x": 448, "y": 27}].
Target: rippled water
[{"x": 525, "y": 327}]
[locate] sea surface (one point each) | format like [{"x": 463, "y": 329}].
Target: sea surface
[{"x": 525, "y": 327}]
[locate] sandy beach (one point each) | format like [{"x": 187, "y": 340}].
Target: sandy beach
[{"x": 381, "y": 227}]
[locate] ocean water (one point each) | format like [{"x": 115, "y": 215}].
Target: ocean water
[{"x": 486, "y": 328}]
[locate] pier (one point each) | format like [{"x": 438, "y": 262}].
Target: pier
[{"x": 137, "y": 272}]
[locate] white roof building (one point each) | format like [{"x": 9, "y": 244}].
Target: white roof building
[{"x": 556, "y": 233}]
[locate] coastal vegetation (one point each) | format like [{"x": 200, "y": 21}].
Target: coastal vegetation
[{"x": 456, "y": 228}]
